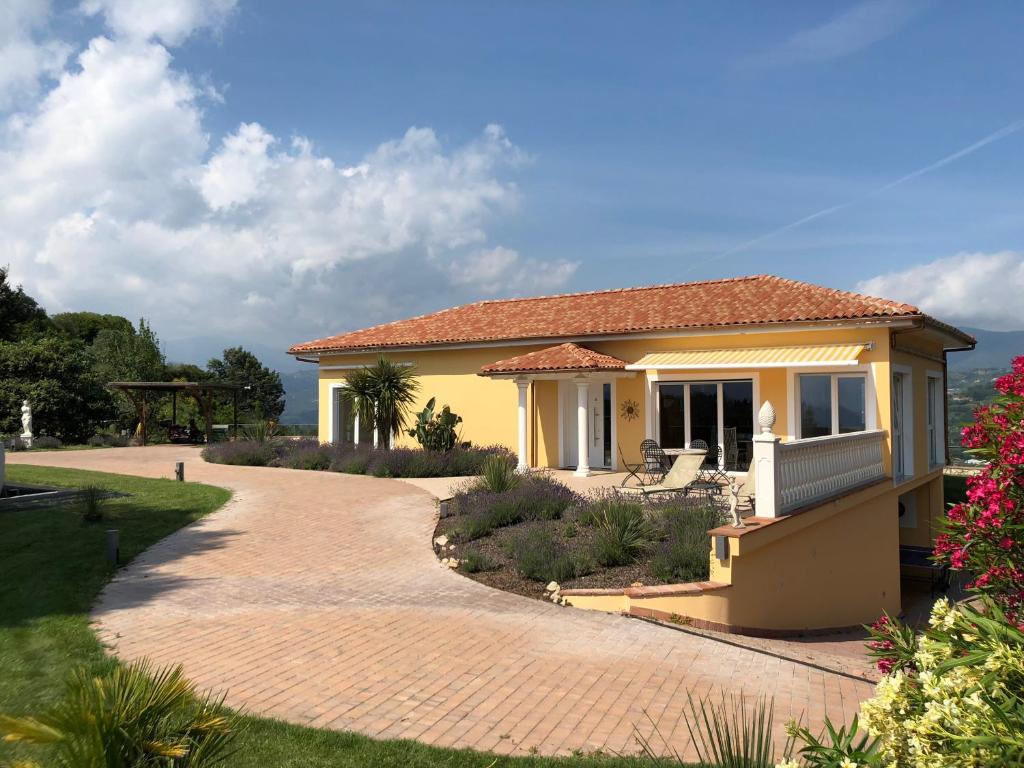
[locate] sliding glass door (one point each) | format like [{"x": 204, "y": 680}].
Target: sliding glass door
[{"x": 720, "y": 413}]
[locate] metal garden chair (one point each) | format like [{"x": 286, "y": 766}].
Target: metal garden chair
[{"x": 656, "y": 461}]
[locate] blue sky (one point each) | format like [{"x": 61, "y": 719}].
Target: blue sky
[{"x": 639, "y": 143}]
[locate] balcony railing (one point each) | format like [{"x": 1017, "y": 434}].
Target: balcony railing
[
  {"x": 819, "y": 468},
  {"x": 800, "y": 473}
]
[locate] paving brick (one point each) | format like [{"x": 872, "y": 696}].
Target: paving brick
[{"x": 315, "y": 597}]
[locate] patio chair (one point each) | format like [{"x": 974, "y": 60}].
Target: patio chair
[
  {"x": 633, "y": 469},
  {"x": 678, "y": 479},
  {"x": 656, "y": 461},
  {"x": 710, "y": 472},
  {"x": 731, "y": 447}
]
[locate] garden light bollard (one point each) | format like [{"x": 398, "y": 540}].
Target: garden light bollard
[
  {"x": 179, "y": 471},
  {"x": 113, "y": 546}
]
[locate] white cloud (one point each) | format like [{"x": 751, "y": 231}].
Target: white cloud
[
  {"x": 114, "y": 198},
  {"x": 172, "y": 21},
  {"x": 24, "y": 57},
  {"x": 502, "y": 271},
  {"x": 975, "y": 289},
  {"x": 858, "y": 27}
]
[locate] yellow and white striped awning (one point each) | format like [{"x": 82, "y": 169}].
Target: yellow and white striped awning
[{"x": 751, "y": 357}]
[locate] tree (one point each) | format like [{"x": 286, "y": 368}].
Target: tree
[
  {"x": 56, "y": 376},
  {"x": 262, "y": 394},
  {"x": 382, "y": 395},
  {"x": 20, "y": 315},
  {"x": 87, "y": 325},
  {"x": 128, "y": 355}
]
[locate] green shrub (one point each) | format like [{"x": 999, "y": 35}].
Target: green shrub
[
  {"x": 355, "y": 463},
  {"x": 622, "y": 533},
  {"x": 91, "y": 499},
  {"x": 436, "y": 431},
  {"x": 261, "y": 431},
  {"x": 242, "y": 453},
  {"x": 473, "y": 561},
  {"x": 473, "y": 527},
  {"x": 684, "y": 552},
  {"x": 498, "y": 475},
  {"x": 135, "y": 716},
  {"x": 315, "y": 457},
  {"x": 499, "y": 513},
  {"x": 107, "y": 440},
  {"x": 539, "y": 557},
  {"x": 47, "y": 443}
]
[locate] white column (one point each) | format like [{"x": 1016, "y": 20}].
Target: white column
[
  {"x": 582, "y": 428},
  {"x": 766, "y": 465},
  {"x": 523, "y": 385}
]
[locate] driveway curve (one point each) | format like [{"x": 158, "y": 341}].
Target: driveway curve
[{"x": 314, "y": 597}]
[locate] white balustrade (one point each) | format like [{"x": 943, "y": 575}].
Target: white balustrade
[
  {"x": 819, "y": 468},
  {"x": 799, "y": 473}
]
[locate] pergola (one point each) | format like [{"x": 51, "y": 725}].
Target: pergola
[{"x": 202, "y": 391}]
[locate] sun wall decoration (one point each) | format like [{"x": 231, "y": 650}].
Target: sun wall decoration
[{"x": 629, "y": 410}]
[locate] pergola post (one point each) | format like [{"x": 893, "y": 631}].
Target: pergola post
[{"x": 204, "y": 399}]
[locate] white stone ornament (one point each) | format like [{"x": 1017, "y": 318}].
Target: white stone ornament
[
  {"x": 26, "y": 423},
  {"x": 734, "y": 504},
  {"x": 766, "y": 417}
]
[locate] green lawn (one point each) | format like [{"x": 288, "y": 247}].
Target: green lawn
[{"x": 52, "y": 569}]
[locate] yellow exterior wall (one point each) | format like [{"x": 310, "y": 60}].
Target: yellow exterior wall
[
  {"x": 833, "y": 566},
  {"x": 930, "y": 508},
  {"x": 489, "y": 406},
  {"x": 545, "y": 423}
]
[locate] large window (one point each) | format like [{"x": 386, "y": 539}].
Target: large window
[
  {"x": 720, "y": 413},
  {"x": 832, "y": 404}
]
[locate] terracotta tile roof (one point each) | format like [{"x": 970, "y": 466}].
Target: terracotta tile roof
[
  {"x": 564, "y": 357},
  {"x": 755, "y": 300}
]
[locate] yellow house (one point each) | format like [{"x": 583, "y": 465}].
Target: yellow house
[{"x": 837, "y": 398}]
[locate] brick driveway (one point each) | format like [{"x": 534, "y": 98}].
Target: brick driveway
[{"x": 315, "y": 597}]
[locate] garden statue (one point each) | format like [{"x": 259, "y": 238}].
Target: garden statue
[
  {"x": 26, "y": 423},
  {"x": 734, "y": 504}
]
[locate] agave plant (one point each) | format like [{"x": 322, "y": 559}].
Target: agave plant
[
  {"x": 382, "y": 394},
  {"x": 261, "y": 431},
  {"x": 135, "y": 717},
  {"x": 725, "y": 733}
]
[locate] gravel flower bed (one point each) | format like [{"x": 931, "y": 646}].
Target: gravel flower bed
[{"x": 540, "y": 531}]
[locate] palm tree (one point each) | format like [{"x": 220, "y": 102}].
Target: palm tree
[{"x": 382, "y": 394}]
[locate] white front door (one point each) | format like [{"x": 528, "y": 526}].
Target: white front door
[{"x": 600, "y": 417}]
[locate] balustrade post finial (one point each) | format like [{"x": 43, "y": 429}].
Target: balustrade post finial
[{"x": 766, "y": 417}]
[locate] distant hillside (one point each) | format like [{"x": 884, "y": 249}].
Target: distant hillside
[
  {"x": 300, "y": 396},
  {"x": 995, "y": 350}
]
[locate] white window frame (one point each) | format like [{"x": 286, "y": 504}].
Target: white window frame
[
  {"x": 793, "y": 394},
  {"x": 335, "y": 410},
  {"x": 862, "y": 372},
  {"x": 936, "y": 415},
  {"x": 654, "y": 402},
  {"x": 908, "y": 423}
]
